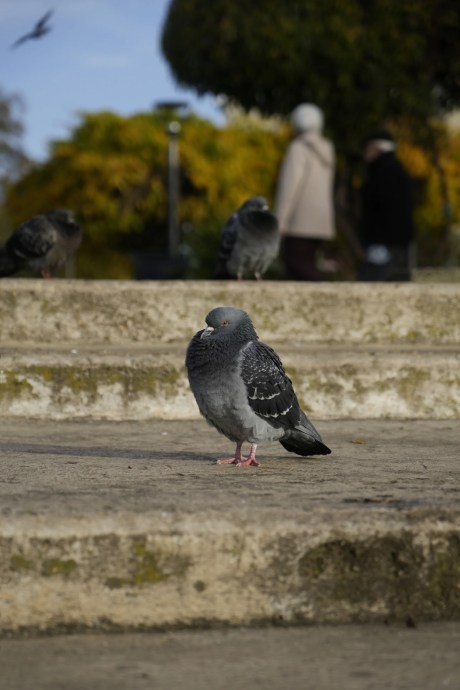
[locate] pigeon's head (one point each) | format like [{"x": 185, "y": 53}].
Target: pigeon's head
[
  {"x": 229, "y": 322},
  {"x": 63, "y": 215},
  {"x": 255, "y": 203},
  {"x": 65, "y": 220}
]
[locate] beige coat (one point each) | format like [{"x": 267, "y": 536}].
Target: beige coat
[{"x": 304, "y": 196}]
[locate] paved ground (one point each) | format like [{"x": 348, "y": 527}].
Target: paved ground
[
  {"x": 351, "y": 657},
  {"x": 77, "y": 468}
]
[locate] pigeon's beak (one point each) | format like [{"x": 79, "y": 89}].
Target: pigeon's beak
[
  {"x": 207, "y": 332},
  {"x": 265, "y": 207}
]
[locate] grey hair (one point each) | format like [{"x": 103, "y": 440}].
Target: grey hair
[{"x": 307, "y": 116}]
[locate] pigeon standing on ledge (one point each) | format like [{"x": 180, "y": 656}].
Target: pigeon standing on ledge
[
  {"x": 249, "y": 241},
  {"x": 243, "y": 391},
  {"x": 42, "y": 243}
]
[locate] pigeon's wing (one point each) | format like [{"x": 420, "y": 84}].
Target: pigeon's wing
[
  {"x": 269, "y": 389},
  {"x": 272, "y": 397},
  {"x": 228, "y": 239},
  {"x": 22, "y": 39},
  {"x": 41, "y": 22},
  {"x": 33, "y": 239}
]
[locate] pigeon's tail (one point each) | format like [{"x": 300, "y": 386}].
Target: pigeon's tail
[
  {"x": 302, "y": 443},
  {"x": 8, "y": 265}
]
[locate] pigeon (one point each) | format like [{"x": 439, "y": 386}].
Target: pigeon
[
  {"x": 242, "y": 390},
  {"x": 42, "y": 243},
  {"x": 249, "y": 241},
  {"x": 40, "y": 29}
]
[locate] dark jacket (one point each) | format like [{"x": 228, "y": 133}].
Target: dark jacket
[{"x": 387, "y": 203}]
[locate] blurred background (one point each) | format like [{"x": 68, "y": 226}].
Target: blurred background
[{"x": 154, "y": 120}]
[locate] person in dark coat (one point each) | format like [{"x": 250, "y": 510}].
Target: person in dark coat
[{"x": 387, "y": 229}]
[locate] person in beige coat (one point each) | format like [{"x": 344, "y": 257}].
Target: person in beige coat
[{"x": 304, "y": 197}]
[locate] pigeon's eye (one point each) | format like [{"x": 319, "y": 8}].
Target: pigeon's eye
[{"x": 225, "y": 322}]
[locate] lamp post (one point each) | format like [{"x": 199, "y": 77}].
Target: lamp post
[
  {"x": 173, "y": 129},
  {"x": 173, "y": 187}
]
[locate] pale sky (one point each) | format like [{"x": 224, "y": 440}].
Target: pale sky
[{"x": 100, "y": 55}]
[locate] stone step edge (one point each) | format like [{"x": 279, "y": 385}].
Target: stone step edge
[
  {"x": 114, "y": 311},
  {"x": 23, "y": 349},
  {"x": 172, "y": 570},
  {"x": 348, "y": 384}
]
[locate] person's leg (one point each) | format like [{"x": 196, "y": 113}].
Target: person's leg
[
  {"x": 400, "y": 269},
  {"x": 300, "y": 257}
]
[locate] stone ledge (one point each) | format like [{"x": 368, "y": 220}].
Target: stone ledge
[
  {"x": 128, "y": 312},
  {"x": 164, "y": 570},
  {"x": 141, "y": 383}
]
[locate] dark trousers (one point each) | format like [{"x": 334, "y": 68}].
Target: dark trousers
[{"x": 300, "y": 258}]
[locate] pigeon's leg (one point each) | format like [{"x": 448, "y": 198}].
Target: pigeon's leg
[
  {"x": 45, "y": 274},
  {"x": 239, "y": 276},
  {"x": 251, "y": 459},
  {"x": 236, "y": 459},
  {"x": 258, "y": 276}
]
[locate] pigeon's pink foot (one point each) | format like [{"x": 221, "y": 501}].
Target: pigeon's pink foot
[
  {"x": 232, "y": 461},
  {"x": 229, "y": 461},
  {"x": 45, "y": 274},
  {"x": 248, "y": 462},
  {"x": 251, "y": 459}
]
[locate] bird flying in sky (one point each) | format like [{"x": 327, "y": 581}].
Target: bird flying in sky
[{"x": 40, "y": 29}]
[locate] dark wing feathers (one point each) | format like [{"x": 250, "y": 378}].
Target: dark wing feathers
[
  {"x": 270, "y": 391},
  {"x": 262, "y": 222},
  {"x": 228, "y": 239},
  {"x": 41, "y": 22},
  {"x": 32, "y": 239},
  {"x": 271, "y": 396}
]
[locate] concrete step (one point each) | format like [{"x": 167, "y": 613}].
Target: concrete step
[
  {"x": 331, "y": 381},
  {"x": 123, "y": 313},
  {"x": 122, "y": 526}
]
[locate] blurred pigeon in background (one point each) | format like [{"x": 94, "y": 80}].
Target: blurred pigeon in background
[
  {"x": 243, "y": 391},
  {"x": 40, "y": 29},
  {"x": 249, "y": 241},
  {"x": 42, "y": 243}
]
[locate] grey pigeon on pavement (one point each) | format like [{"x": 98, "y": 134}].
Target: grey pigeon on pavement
[
  {"x": 249, "y": 241},
  {"x": 42, "y": 243},
  {"x": 243, "y": 391},
  {"x": 40, "y": 29}
]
